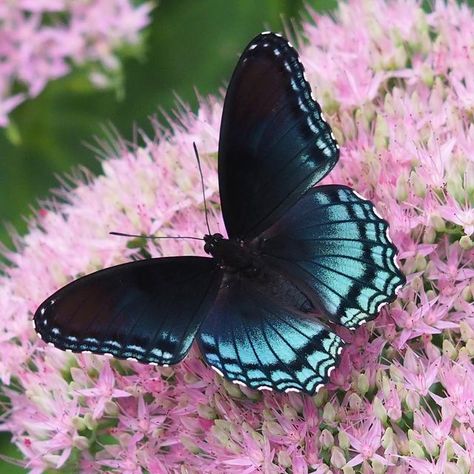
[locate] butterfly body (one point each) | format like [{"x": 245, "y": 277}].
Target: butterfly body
[
  {"x": 299, "y": 259},
  {"x": 233, "y": 255}
]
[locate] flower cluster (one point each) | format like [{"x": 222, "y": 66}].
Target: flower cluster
[
  {"x": 41, "y": 39},
  {"x": 397, "y": 85}
]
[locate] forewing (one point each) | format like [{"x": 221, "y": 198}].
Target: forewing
[
  {"x": 254, "y": 341},
  {"x": 149, "y": 310},
  {"x": 274, "y": 142},
  {"x": 334, "y": 244}
]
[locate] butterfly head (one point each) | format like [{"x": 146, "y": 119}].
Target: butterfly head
[
  {"x": 231, "y": 254},
  {"x": 212, "y": 242}
]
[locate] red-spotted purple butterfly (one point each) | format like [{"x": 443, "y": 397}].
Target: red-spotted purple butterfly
[{"x": 298, "y": 258}]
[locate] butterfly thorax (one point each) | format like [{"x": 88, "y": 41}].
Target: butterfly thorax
[{"x": 232, "y": 254}]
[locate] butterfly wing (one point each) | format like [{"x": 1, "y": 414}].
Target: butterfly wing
[
  {"x": 149, "y": 310},
  {"x": 337, "y": 247},
  {"x": 252, "y": 340},
  {"x": 274, "y": 142}
]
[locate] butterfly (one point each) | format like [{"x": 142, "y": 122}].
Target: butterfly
[{"x": 298, "y": 259}]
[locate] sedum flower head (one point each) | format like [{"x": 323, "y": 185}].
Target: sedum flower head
[
  {"x": 41, "y": 39},
  {"x": 397, "y": 84}
]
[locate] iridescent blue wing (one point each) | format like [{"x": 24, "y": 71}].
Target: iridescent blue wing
[
  {"x": 254, "y": 341},
  {"x": 148, "y": 310},
  {"x": 274, "y": 142},
  {"x": 336, "y": 247}
]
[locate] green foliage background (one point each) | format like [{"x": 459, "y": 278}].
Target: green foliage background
[{"x": 190, "y": 45}]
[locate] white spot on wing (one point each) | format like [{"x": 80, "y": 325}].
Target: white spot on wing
[
  {"x": 264, "y": 387},
  {"x": 359, "y": 195},
  {"x": 377, "y": 213},
  {"x": 292, "y": 389},
  {"x": 319, "y": 387},
  {"x": 215, "y": 369}
]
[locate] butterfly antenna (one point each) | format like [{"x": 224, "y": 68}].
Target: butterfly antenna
[
  {"x": 121, "y": 234},
  {"x": 202, "y": 187}
]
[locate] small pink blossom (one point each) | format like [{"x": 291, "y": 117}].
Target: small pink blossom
[
  {"x": 365, "y": 441},
  {"x": 104, "y": 391},
  {"x": 419, "y": 373}
]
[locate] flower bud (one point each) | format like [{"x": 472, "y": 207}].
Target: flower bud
[
  {"x": 412, "y": 400},
  {"x": 338, "y": 460},
  {"x": 343, "y": 440},
  {"x": 206, "y": 411},
  {"x": 401, "y": 190},
  {"x": 231, "y": 388},
  {"x": 415, "y": 449},
  {"x": 321, "y": 397},
  {"x": 388, "y": 438},
  {"x": 355, "y": 402},
  {"x": 290, "y": 413},
  {"x": 329, "y": 413},
  {"x": 379, "y": 410},
  {"x": 466, "y": 243},
  {"x": 449, "y": 350},
  {"x": 326, "y": 439},
  {"x": 362, "y": 383},
  {"x": 284, "y": 459}
]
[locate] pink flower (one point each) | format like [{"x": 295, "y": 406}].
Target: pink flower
[
  {"x": 37, "y": 47},
  {"x": 419, "y": 373},
  {"x": 365, "y": 441},
  {"x": 104, "y": 391},
  {"x": 423, "y": 466}
]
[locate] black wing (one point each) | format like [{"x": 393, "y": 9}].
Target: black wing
[
  {"x": 334, "y": 244},
  {"x": 253, "y": 340},
  {"x": 274, "y": 142},
  {"x": 149, "y": 310}
]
